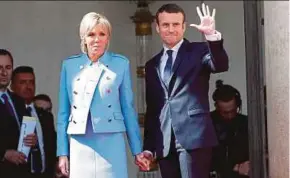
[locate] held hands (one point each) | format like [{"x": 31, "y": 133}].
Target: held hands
[
  {"x": 243, "y": 168},
  {"x": 207, "y": 21},
  {"x": 144, "y": 160}
]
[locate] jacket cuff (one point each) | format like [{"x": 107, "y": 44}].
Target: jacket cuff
[{"x": 217, "y": 36}]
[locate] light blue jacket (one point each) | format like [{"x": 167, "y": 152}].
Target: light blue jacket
[{"x": 103, "y": 90}]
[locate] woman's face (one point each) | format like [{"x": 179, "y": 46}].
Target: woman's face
[{"x": 96, "y": 41}]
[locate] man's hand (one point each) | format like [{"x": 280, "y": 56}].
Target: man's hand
[
  {"x": 30, "y": 140},
  {"x": 15, "y": 157},
  {"x": 207, "y": 21},
  {"x": 243, "y": 168},
  {"x": 143, "y": 160},
  {"x": 63, "y": 165}
]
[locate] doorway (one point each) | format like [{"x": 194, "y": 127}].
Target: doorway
[{"x": 256, "y": 88}]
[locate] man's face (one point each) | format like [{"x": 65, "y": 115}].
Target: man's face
[
  {"x": 45, "y": 105},
  {"x": 6, "y": 68},
  {"x": 171, "y": 28},
  {"x": 24, "y": 85},
  {"x": 228, "y": 110}
]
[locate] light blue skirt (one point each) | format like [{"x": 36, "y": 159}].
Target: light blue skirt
[{"x": 98, "y": 155}]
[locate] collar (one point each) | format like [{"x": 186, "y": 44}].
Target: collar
[
  {"x": 4, "y": 92},
  {"x": 103, "y": 59},
  {"x": 29, "y": 105},
  {"x": 175, "y": 48}
]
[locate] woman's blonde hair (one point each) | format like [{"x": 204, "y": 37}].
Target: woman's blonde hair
[{"x": 89, "y": 21}]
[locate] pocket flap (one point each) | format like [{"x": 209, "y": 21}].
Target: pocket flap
[
  {"x": 196, "y": 111},
  {"x": 118, "y": 116}
]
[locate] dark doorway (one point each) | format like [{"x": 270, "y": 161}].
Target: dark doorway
[{"x": 256, "y": 87}]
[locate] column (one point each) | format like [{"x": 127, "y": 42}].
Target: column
[{"x": 276, "y": 35}]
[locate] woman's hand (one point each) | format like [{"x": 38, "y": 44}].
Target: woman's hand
[{"x": 63, "y": 165}]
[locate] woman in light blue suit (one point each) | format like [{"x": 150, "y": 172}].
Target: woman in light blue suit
[{"x": 96, "y": 108}]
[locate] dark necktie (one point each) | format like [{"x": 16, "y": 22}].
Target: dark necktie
[
  {"x": 8, "y": 105},
  {"x": 35, "y": 151},
  {"x": 168, "y": 66}
]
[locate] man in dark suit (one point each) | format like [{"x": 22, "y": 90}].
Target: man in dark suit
[
  {"x": 43, "y": 159},
  {"x": 178, "y": 128},
  {"x": 13, "y": 163}
]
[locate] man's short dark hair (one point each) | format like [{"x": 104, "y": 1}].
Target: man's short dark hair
[
  {"x": 169, "y": 8},
  {"x": 20, "y": 70},
  {"x": 226, "y": 93},
  {"x": 43, "y": 97},
  {"x": 5, "y": 52}
]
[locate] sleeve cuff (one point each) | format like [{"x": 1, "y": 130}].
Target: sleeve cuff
[
  {"x": 149, "y": 152},
  {"x": 214, "y": 37}
]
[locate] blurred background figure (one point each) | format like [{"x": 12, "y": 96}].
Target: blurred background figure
[
  {"x": 231, "y": 156},
  {"x": 43, "y": 101},
  {"x": 43, "y": 159}
]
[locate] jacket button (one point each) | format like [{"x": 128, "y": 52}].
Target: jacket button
[
  {"x": 110, "y": 120},
  {"x": 109, "y": 106}
]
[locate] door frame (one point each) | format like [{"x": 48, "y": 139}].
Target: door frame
[{"x": 255, "y": 75}]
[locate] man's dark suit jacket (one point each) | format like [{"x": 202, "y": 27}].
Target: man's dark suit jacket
[
  {"x": 49, "y": 140},
  {"x": 9, "y": 136},
  {"x": 184, "y": 105},
  {"x": 233, "y": 147}
]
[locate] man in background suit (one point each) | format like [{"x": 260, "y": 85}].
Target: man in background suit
[
  {"x": 12, "y": 108},
  {"x": 44, "y": 155},
  {"x": 178, "y": 128},
  {"x": 43, "y": 101}
]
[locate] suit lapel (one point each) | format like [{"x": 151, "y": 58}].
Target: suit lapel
[
  {"x": 157, "y": 72},
  {"x": 181, "y": 56},
  {"x": 88, "y": 79},
  {"x": 96, "y": 73},
  {"x": 18, "y": 108},
  {"x": 102, "y": 64}
]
